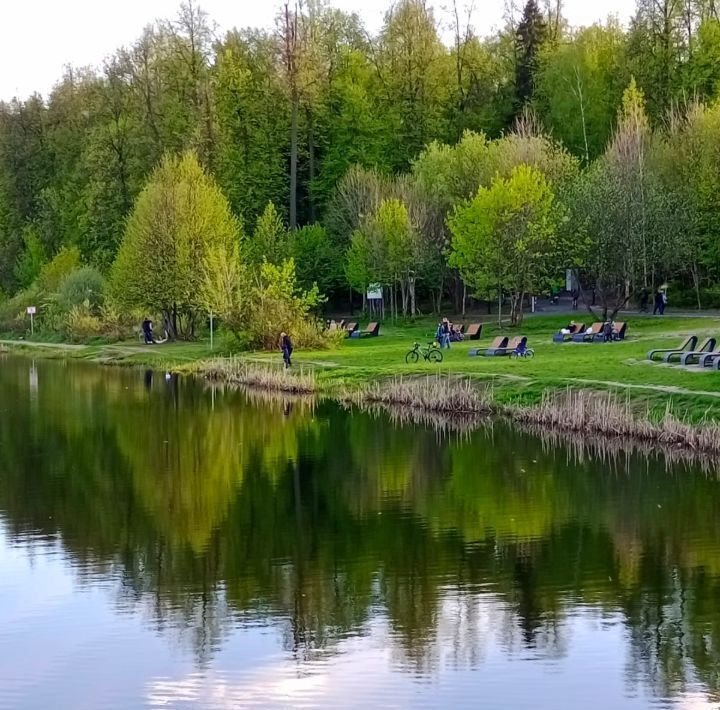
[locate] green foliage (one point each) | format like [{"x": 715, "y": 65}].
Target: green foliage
[
  {"x": 531, "y": 34},
  {"x": 55, "y": 271},
  {"x": 226, "y": 287},
  {"x": 270, "y": 240},
  {"x": 179, "y": 218},
  {"x": 317, "y": 259},
  {"x": 507, "y": 238},
  {"x": 320, "y": 122},
  {"x": 278, "y": 305},
  {"x": 82, "y": 286},
  {"x": 31, "y": 259}
]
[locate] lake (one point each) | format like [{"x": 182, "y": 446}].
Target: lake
[{"x": 163, "y": 544}]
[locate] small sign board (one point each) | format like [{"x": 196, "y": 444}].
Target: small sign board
[
  {"x": 374, "y": 292},
  {"x": 32, "y": 310}
]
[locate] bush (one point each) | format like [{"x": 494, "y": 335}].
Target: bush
[
  {"x": 53, "y": 273},
  {"x": 278, "y": 305},
  {"x": 81, "y": 286},
  {"x": 81, "y": 324}
]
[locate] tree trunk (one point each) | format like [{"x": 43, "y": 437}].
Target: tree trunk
[
  {"x": 293, "y": 158},
  {"x": 311, "y": 163},
  {"x": 411, "y": 291}
]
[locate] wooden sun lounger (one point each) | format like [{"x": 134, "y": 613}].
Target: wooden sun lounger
[
  {"x": 567, "y": 337},
  {"x": 707, "y": 346},
  {"x": 498, "y": 343},
  {"x": 584, "y": 337},
  {"x": 351, "y": 328},
  {"x": 507, "y": 349},
  {"x": 372, "y": 331},
  {"x": 690, "y": 344},
  {"x": 474, "y": 331},
  {"x": 618, "y": 333}
]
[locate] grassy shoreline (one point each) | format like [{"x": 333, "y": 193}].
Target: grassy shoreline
[{"x": 654, "y": 391}]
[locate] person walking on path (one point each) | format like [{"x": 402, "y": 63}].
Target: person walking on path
[
  {"x": 660, "y": 302},
  {"x": 575, "y": 296},
  {"x": 644, "y": 298},
  {"x": 286, "y": 348}
]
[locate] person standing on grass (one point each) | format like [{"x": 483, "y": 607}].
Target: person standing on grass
[
  {"x": 663, "y": 303},
  {"x": 286, "y": 348},
  {"x": 445, "y": 331},
  {"x": 147, "y": 328}
]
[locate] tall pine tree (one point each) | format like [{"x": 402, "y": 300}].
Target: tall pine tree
[{"x": 531, "y": 33}]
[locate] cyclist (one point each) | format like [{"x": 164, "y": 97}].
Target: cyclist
[{"x": 521, "y": 348}]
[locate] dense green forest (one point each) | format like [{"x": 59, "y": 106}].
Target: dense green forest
[{"x": 475, "y": 166}]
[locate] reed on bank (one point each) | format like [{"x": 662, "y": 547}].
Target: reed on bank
[{"x": 234, "y": 371}]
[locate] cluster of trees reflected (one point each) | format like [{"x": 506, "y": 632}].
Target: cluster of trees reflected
[{"x": 212, "y": 510}]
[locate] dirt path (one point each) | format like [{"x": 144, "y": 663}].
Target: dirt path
[
  {"x": 665, "y": 389},
  {"x": 52, "y": 346}
]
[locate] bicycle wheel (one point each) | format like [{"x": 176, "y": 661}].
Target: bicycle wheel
[
  {"x": 412, "y": 357},
  {"x": 529, "y": 353},
  {"x": 435, "y": 356}
]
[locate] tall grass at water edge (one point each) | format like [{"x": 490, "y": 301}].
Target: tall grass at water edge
[
  {"x": 585, "y": 412},
  {"x": 262, "y": 377}
]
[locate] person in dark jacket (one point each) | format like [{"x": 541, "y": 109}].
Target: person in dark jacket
[
  {"x": 286, "y": 348},
  {"x": 608, "y": 331},
  {"x": 147, "y": 329}
]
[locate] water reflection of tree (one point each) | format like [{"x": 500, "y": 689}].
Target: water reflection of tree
[{"x": 321, "y": 520}]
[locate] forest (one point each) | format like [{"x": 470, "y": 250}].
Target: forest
[{"x": 297, "y": 164}]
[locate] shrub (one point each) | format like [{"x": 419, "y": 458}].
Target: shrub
[
  {"x": 278, "y": 305},
  {"x": 80, "y": 324},
  {"x": 53, "y": 273},
  {"x": 81, "y": 286}
]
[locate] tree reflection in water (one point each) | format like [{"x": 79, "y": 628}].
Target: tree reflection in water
[{"x": 217, "y": 510}]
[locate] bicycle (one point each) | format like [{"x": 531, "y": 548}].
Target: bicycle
[
  {"x": 430, "y": 352},
  {"x": 528, "y": 354}
]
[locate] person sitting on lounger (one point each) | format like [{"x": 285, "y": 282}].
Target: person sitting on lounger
[{"x": 570, "y": 329}]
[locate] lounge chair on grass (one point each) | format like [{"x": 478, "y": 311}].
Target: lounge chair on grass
[
  {"x": 499, "y": 343},
  {"x": 690, "y": 344},
  {"x": 507, "y": 350},
  {"x": 707, "y": 346},
  {"x": 709, "y": 359},
  {"x": 561, "y": 337},
  {"x": 704, "y": 358},
  {"x": 474, "y": 331},
  {"x": 351, "y": 328},
  {"x": 372, "y": 331},
  {"x": 618, "y": 333},
  {"x": 588, "y": 337}
]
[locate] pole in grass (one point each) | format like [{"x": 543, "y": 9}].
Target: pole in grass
[
  {"x": 31, "y": 312},
  {"x": 211, "y": 330}
]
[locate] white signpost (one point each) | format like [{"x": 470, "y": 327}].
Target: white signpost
[{"x": 31, "y": 312}]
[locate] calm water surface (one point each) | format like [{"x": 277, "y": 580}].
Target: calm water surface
[{"x": 163, "y": 545}]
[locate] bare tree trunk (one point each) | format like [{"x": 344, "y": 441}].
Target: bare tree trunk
[
  {"x": 311, "y": 161},
  {"x": 293, "y": 160}
]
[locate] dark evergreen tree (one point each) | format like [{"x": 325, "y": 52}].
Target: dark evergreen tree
[{"x": 531, "y": 33}]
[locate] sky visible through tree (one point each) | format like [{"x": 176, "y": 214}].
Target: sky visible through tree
[{"x": 84, "y": 32}]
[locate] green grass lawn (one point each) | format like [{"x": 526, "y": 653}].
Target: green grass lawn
[
  {"x": 601, "y": 366},
  {"x": 617, "y": 366}
]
